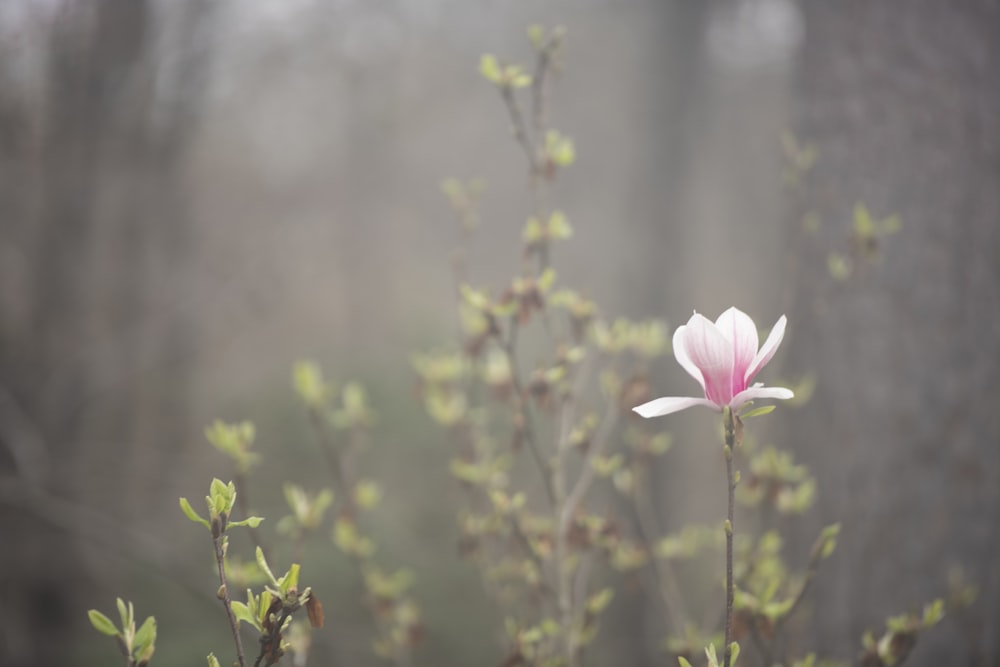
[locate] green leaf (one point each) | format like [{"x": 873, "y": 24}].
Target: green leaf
[
  {"x": 517, "y": 78},
  {"x": 863, "y": 224},
  {"x": 102, "y": 623},
  {"x": 536, "y": 34},
  {"x": 213, "y": 661},
  {"x": 309, "y": 384},
  {"x": 734, "y": 651},
  {"x": 933, "y": 613},
  {"x": 560, "y": 149},
  {"x": 597, "y": 602},
  {"x": 559, "y": 227},
  {"x": 840, "y": 266},
  {"x": 367, "y": 494},
  {"x": 452, "y": 188},
  {"x": 605, "y": 466},
  {"x": 243, "y": 613},
  {"x": 217, "y": 499},
  {"x": 265, "y": 603},
  {"x": 291, "y": 579},
  {"x": 829, "y": 537},
  {"x": 475, "y": 298},
  {"x": 683, "y": 662},
  {"x": 445, "y": 407},
  {"x": 549, "y": 626},
  {"x": 125, "y": 613},
  {"x": 262, "y": 564},
  {"x": 546, "y": 280},
  {"x": 489, "y": 67},
  {"x": 713, "y": 659},
  {"x": 531, "y": 636},
  {"x": 532, "y": 231},
  {"x": 145, "y": 639},
  {"x": 252, "y": 521},
  {"x": 349, "y": 540},
  {"x": 235, "y": 441},
  {"x": 757, "y": 412}
]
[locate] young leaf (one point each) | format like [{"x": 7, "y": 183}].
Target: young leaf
[
  {"x": 598, "y": 601},
  {"x": 125, "y": 613},
  {"x": 243, "y": 613},
  {"x": 191, "y": 514},
  {"x": 559, "y": 227},
  {"x": 489, "y": 67},
  {"x": 757, "y": 412},
  {"x": 734, "y": 649},
  {"x": 713, "y": 659},
  {"x": 102, "y": 623},
  {"x": 475, "y": 298},
  {"x": 536, "y": 34},
  {"x": 546, "y": 280},
  {"x": 367, "y": 494},
  {"x": 829, "y": 537},
  {"x": 309, "y": 384},
  {"x": 145, "y": 640},
  {"x": 262, "y": 564},
  {"x": 291, "y": 579},
  {"x": 212, "y": 660}
]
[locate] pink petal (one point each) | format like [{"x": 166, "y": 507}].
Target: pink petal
[
  {"x": 680, "y": 353},
  {"x": 712, "y": 354},
  {"x": 753, "y": 393},
  {"x": 767, "y": 350},
  {"x": 737, "y": 326},
  {"x": 668, "y": 404}
]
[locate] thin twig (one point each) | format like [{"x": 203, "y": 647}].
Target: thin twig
[
  {"x": 814, "y": 559},
  {"x": 340, "y": 471},
  {"x": 568, "y": 503},
  {"x": 271, "y": 642},
  {"x": 731, "y": 485},
  {"x": 562, "y": 573},
  {"x": 521, "y": 397},
  {"x": 587, "y": 473},
  {"x": 520, "y": 129},
  {"x": 663, "y": 571},
  {"x": 328, "y": 446},
  {"x": 220, "y": 560},
  {"x": 538, "y": 88}
]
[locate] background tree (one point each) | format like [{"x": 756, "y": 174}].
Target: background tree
[
  {"x": 903, "y": 430},
  {"x": 94, "y": 355}
]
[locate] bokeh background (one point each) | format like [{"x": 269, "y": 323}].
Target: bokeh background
[{"x": 194, "y": 194}]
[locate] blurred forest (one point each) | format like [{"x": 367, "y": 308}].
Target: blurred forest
[{"x": 194, "y": 194}]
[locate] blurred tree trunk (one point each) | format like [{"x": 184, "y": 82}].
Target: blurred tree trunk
[
  {"x": 92, "y": 368},
  {"x": 903, "y": 105}
]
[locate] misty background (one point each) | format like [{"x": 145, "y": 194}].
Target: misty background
[{"x": 195, "y": 194}]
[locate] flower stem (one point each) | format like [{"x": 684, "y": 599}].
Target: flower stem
[
  {"x": 224, "y": 596},
  {"x": 731, "y": 484}
]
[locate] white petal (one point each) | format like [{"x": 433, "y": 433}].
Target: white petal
[
  {"x": 767, "y": 350},
  {"x": 754, "y": 393},
  {"x": 680, "y": 353},
  {"x": 737, "y": 326},
  {"x": 712, "y": 354},
  {"x": 664, "y": 406}
]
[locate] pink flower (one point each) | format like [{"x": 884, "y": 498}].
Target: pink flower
[{"x": 723, "y": 357}]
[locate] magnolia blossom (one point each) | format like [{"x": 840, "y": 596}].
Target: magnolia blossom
[{"x": 723, "y": 358}]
